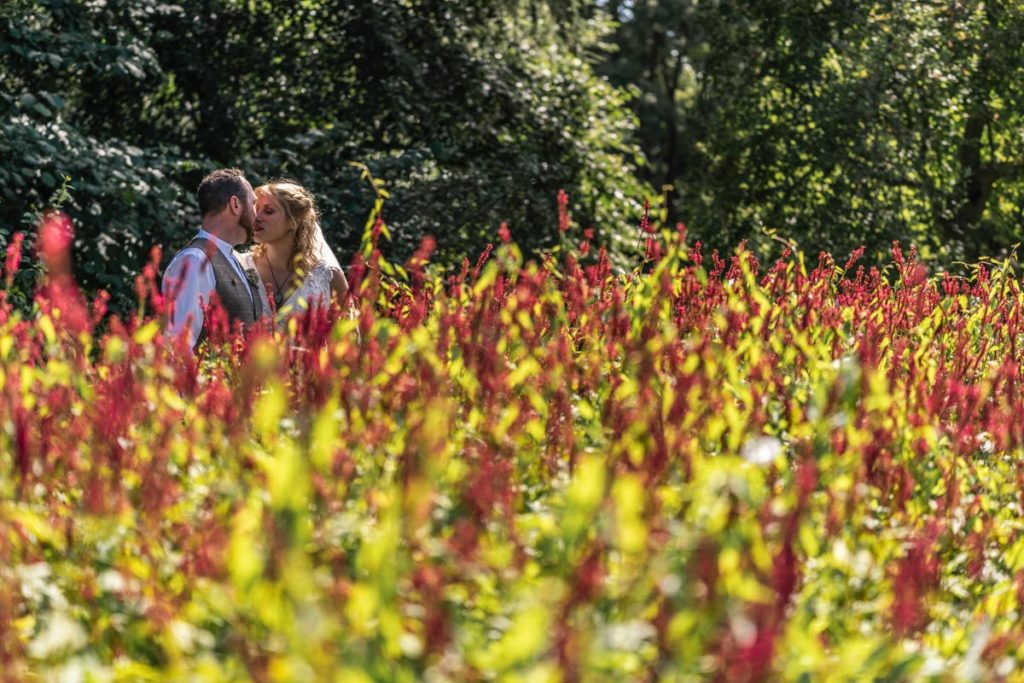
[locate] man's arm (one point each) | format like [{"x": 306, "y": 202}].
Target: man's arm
[{"x": 187, "y": 284}]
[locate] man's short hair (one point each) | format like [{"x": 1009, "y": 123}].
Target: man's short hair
[{"x": 218, "y": 188}]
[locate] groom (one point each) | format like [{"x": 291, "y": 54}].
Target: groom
[{"x": 207, "y": 264}]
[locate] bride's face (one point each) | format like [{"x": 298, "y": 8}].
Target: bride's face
[{"x": 271, "y": 222}]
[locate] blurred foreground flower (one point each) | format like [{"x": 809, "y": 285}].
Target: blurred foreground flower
[{"x": 761, "y": 451}]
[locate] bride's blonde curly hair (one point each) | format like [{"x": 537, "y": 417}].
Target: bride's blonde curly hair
[{"x": 300, "y": 209}]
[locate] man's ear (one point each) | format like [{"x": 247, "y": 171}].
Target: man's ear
[{"x": 236, "y": 204}]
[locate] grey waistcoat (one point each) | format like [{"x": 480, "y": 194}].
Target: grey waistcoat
[{"x": 232, "y": 290}]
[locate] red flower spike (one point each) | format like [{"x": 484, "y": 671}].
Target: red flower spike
[
  {"x": 55, "y": 236},
  {"x": 645, "y": 222},
  {"x": 13, "y": 257},
  {"x": 482, "y": 260},
  {"x": 563, "y": 211}
]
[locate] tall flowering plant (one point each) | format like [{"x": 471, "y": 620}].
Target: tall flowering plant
[{"x": 705, "y": 468}]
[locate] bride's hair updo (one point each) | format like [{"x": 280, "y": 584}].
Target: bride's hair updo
[{"x": 300, "y": 209}]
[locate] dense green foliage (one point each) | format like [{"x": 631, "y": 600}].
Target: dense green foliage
[
  {"x": 835, "y": 123},
  {"x": 57, "y": 59},
  {"x": 473, "y": 112}
]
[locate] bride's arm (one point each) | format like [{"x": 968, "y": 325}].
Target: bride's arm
[{"x": 339, "y": 287}]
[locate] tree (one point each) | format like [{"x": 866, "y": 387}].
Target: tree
[
  {"x": 124, "y": 197},
  {"x": 473, "y": 112},
  {"x": 838, "y": 124}
]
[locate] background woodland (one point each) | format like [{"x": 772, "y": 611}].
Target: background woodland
[{"x": 836, "y": 124}]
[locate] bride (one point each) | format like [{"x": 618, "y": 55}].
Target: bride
[{"x": 296, "y": 269}]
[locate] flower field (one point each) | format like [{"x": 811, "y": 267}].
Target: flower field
[{"x": 544, "y": 472}]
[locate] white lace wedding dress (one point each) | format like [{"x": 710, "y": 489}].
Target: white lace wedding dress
[{"x": 315, "y": 289}]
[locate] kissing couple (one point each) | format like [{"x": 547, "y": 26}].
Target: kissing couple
[{"x": 289, "y": 270}]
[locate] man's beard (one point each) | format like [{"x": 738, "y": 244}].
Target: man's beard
[{"x": 247, "y": 223}]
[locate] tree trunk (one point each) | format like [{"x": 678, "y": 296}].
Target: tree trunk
[
  {"x": 672, "y": 170},
  {"x": 966, "y": 207}
]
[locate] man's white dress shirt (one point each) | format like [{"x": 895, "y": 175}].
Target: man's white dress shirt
[{"x": 189, "y": 280}]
